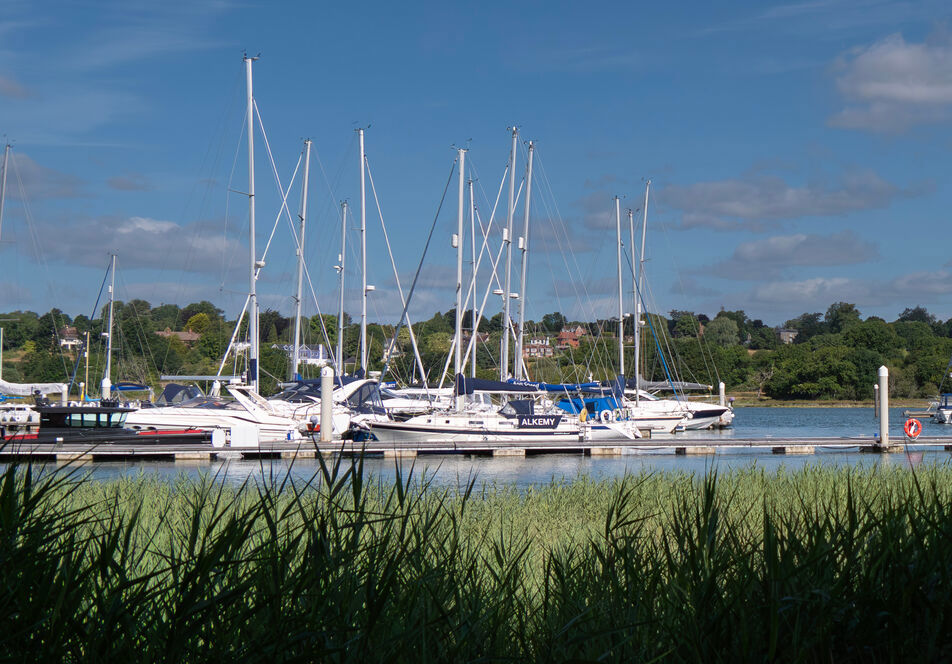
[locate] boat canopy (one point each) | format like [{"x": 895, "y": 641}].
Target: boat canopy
[
  {"x": 175, "y": 394},
  {"x": 29, "y": 389}
]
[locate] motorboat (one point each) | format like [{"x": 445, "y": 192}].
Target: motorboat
[
  {"x": 103, "y": 423},
  {"x": 943, "y": 410}
]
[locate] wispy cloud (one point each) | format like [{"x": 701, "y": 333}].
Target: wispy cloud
[
  {"x": 755, "y": 203},
  {"x": 130, "y": 182},
  {"x": 35, "y": 181},
  {"x": 771, "y": 257},
  {"x": 829, "y": 18},
  {"x": 141, "y": 243},
  {"x": 892, "y": 85},
  {"x": 814, "y": 294},
  {"x": 12, "y": 88}
]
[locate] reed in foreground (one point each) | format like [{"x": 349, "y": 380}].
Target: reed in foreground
[{"x": 814, "y": 565}]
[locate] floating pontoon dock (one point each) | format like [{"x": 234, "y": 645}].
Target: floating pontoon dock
[{"x": 71, "y": 453}]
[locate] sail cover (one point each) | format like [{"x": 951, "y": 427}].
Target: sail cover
[
  {"x": 649, "y": 385},
  {"x": 466, "y": 385}
]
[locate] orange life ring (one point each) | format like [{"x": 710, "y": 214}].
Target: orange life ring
[{"x": 913, "y": 427}]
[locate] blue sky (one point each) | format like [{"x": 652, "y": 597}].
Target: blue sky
[{"x": 799, "y": 152}]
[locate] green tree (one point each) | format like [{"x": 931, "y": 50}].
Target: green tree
[
  {"x": 722, "y": 331},
  {"x": 840, "y": 316},
  {"x": 807, "y": 326},
  {"x": 553, "y": 322},
  {"x": 198, "y": 323}
]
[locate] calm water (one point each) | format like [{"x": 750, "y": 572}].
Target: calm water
[{"x": 765, "y": 423}]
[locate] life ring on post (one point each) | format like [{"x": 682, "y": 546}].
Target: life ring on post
[
  {"x": 913, "y": 428},
  {"x": 606, "y": 416}
]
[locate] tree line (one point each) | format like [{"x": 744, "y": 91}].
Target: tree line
[{"x": 832, "y": 355}]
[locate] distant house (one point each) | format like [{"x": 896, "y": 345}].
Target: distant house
[
  {"x": 786, "y": 335},
  {"x": 538, "y": 348},
  {"x": 69, "y": 338},
  {"x": 184, "y": 336},
  {"x": 481, "y": 337},
  {"x": 567, "y": 339},
  {"x": 312, "y": 355}
]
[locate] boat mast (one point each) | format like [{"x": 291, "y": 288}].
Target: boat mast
[
  {"x": 621, "y": 303},
  {"x": 639, "y": 286},
  {"x": 363, "y": 257},
  {"x": 296, "y": 357},
  {"x": 3, "y": 182},
  {"x": 507, "y": 239},
  {"x": 458, "y": 243},
  {"x": 340, "y": 310},
  {"x": 524, "y": 248},
  {"x": 253, "y": 295},
  {"x": 637, "y": 309},
  {"x": 86, "y": 380},
  {"x": 107, "y": 381},
  {"x": 472, "y": 228}
]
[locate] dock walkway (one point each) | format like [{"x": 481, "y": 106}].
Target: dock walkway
[{"x": 199, "y": 452}]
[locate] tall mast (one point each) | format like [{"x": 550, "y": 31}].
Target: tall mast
[
  {"x": 296, "y": 357},
  {"x": 107, "y": 378},
  {"x": 458, "y": 241},
  {"x": 340, "y": 310},
  {"x": 3, "y": 182},
  {"x": 640, "y": 286},
  {"x": 637, "y": 309},
  {"x": 363, "y": 257},
  {"x": 524, "y": 248},
  {"x": 507, "y": 239},
  {"x": 472, "y": 229},
  {"x": 621, "y": 303},
  {"x": 253, "y": 294}
]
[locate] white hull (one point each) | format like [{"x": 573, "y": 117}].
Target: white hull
[
  {"x": 472, "y": 428},
  {"x": 943, "y": 416}
]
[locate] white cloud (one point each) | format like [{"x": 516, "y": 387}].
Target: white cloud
[
  {"x": 924, "y": 287},
  {"x": 810, "y": 292},
  {"x": 770, "y": 257},
  {"x": 756, "y": 203},
  {"x": 894, "y": 84},
  {"x": 143, "y": 243},
  {"x": 130, "y": 182}
]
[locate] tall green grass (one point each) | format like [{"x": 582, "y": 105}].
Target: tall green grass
[{"x": 818, "y": 564}]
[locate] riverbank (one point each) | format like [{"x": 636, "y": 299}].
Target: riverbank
[
  {"x": 748, "y": 399},
  {"x": 778, "y": 566}
]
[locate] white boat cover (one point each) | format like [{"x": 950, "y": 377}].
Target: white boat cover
[{"x": 27, "y": 389}]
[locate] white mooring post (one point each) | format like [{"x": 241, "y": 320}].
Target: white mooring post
[
  {"x": 722, "y": 393},
  {"x": 883, "y": 406},
  {"x": 876, "y": 402},
  {"x": 327, "y": 404}
]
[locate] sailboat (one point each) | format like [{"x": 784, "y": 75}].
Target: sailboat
[{"x": 696, "y": 414}]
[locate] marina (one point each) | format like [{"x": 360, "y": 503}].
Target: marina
[{"x": 806, "y": 433}]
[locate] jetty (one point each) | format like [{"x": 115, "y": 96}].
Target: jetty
[{"x": 199, "y": 452}]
